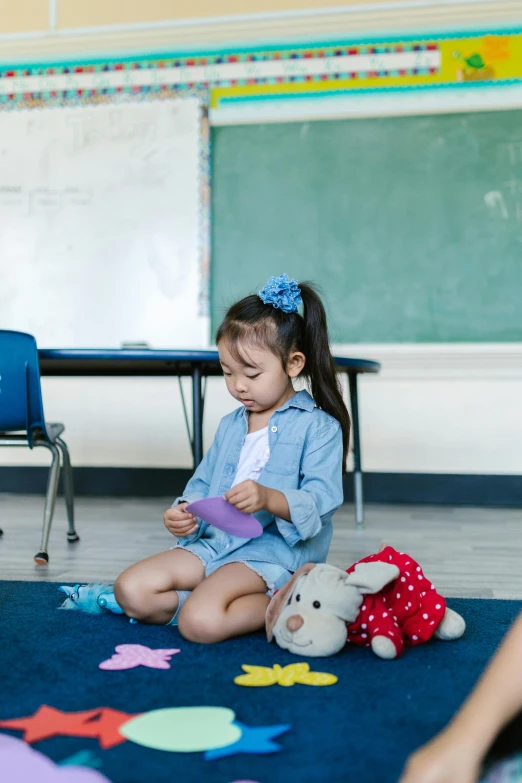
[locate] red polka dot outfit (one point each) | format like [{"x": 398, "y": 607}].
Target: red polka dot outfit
[{"x": 407, "y": 611}]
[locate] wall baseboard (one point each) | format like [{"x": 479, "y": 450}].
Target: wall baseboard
[
  {"x": 453, "y": 489},
  {"x": 394, "y": 488},
  {"x": 99, "y": 482}
]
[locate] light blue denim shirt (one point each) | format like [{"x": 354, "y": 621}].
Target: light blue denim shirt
[{"x": 305, "y": 464}]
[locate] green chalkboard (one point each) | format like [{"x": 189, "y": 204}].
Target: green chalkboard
[{"x": 412, "y": 225}]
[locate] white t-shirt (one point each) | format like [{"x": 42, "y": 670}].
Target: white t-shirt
[{"x": 254, "y": 456}]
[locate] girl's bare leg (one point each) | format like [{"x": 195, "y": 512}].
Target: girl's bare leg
[
  {"x": 230, "y": 602},
  {"x": 146, "y": 591}
]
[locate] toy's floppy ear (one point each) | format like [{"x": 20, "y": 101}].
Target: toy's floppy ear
[
  {"x": 66, "y": 589},
  {"x": 371, "y": 577},
  {"x": 278, "y": 601}
]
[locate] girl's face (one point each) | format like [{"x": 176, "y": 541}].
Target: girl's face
[{"x": 262, "y": 384}]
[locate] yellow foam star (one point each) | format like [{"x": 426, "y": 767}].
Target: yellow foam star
[{"x": 261, "y": 676}]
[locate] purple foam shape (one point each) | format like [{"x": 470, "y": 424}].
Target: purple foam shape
[
  {"x": 128, "y": 656},
  {"x": 20, "y": 762},
  {"x": 219, "y": 512}
]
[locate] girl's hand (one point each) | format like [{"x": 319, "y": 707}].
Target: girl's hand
[
  {"x": 180, "y": 522},
  {"x": 248, "y": 496},
  {"x": 449, "y": 758}
]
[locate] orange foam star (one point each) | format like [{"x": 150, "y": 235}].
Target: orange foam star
[
  {"x": 101, "y": 723},
  {"x": 108, "y": 725},
  {"x": 49, "y": 722}
]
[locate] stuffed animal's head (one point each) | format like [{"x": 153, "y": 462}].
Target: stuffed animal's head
[
  {"x": 308, "y": 616},
  {"x": 84, "y": 597}
]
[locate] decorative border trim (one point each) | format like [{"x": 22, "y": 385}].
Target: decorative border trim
[
  {"x": 224, "y": 71},
  {"x": 458, "y": 99},
  {"x": 205, "y": 167},
  {"x": 443, "y": 60}
]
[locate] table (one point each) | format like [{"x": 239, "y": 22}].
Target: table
[{"x": 197, "y": 365}]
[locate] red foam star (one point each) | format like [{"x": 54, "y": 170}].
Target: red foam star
[
  {"x": 48, "y": 722},
  {"x": 108, "y": 725},
  {"x": 101, "y": 723}
]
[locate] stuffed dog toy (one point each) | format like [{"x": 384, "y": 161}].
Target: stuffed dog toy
[{"x": 384, "y": 601}]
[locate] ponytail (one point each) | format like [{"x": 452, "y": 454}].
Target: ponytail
[
  {"x": 252, "y": 320},
  {"x": 319, "y": 369}
]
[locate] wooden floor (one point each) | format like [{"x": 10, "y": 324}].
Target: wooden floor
[{"x": 467, "y": 552}]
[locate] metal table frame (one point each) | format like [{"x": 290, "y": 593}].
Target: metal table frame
[{"x": 197, "y": 365}]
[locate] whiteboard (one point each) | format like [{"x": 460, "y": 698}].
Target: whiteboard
[{"x": 100, "y": 216}]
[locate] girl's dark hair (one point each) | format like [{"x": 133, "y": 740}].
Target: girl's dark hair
[{"x": 262, "y": 325}]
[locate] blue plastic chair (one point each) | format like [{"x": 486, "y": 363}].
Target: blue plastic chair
[{"x": 22, "y": 423}]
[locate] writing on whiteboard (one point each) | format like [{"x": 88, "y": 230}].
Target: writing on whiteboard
[
  {"x": 100, "y": 217},
  {"x": 29, "y": 200},
  {"x": 87, "y": 131}
]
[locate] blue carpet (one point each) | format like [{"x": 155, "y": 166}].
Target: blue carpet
[{"x": 359, "y": 730}]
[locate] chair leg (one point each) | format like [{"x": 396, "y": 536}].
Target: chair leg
[
  {"x": 41, "y": 557},
  {"x": 357, "y": 468},
  {"x": 68, "y": 489}
]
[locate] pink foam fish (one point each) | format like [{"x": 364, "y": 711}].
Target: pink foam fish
[{"x": 128, "y": 656}]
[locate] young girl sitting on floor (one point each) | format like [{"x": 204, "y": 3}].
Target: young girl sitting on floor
[{"x": 280, "y": 456}]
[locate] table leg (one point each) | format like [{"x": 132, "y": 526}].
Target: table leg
[
  {"x": 197, "y": 416},
  {"x": 357, "y": 468}
]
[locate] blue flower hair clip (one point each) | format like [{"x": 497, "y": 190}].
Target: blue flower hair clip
[{"x": 282, "y": 293}]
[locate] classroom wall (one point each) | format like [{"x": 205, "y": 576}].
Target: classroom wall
[
  {"x": 23, "y": 17},
  {"x": 32, "y": 29},
  {"x": 433, "y": 409},
  {"x": 31, "y": 15},
  {"x": 99, "y": 12}
]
